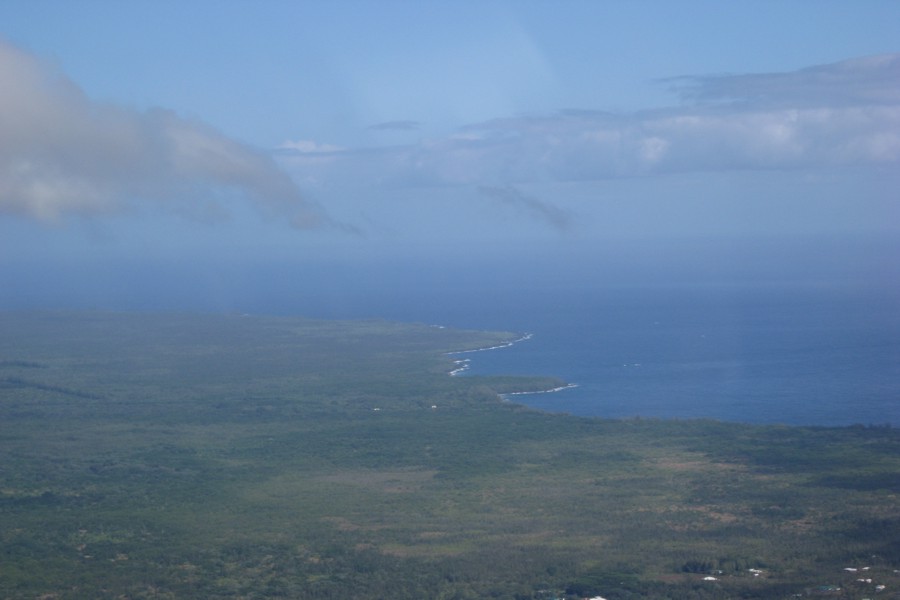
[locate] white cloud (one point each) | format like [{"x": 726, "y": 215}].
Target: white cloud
[
  {"x": 309, "y": 147},
  {"x": 63, "y": 154},
  {"x": 831, "y": 116},
  {"x": 407, "y": 125}
]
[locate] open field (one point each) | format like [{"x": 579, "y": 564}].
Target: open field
[{"x": 175, "y": 456}]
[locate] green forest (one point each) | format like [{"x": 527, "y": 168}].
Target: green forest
[{"x": 249, "y": 457}]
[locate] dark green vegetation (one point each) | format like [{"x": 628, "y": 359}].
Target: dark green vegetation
[{"x": 246, "y": 457}]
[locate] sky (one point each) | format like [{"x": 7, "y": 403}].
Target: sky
[{"x": 357, "y": 134}]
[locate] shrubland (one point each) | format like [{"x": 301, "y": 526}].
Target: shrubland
[{"x": 232, "y": 456}]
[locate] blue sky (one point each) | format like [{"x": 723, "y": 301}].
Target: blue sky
[{"x": 295, "y": 130}]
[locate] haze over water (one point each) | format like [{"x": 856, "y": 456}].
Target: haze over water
[
  {"x": 692, "y": 222},
  {"x": 777, "y": 340}
]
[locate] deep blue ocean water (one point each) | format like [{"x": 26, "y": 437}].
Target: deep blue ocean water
[
  {"x": 793, "y": 353},
  {"x": 772, "y": 354},
  {"x": 801, "y": 354}
]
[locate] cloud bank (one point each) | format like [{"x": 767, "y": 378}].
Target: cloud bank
[
  {"x": 845, "y": 114},
  {"x": 62, "y": 154}
]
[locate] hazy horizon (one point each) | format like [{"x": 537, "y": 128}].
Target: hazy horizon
[{"x": 179, "y": 155}]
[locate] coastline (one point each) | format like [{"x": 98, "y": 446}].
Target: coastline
[
  {"x": 560, "y": 388},
  {"x": 464, "y": 364}
]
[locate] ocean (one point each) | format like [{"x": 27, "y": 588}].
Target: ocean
[
  {"x": 773, "y": 354},
  {"x": 817, "y": 351},
  {"x": 790, "y": 353}
]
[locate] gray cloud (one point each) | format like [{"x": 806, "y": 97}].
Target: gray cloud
[
  {"x": 870, "y": 80},
  {"x": 62, "y": 154},
  {"x": 548, "y": 213}
]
